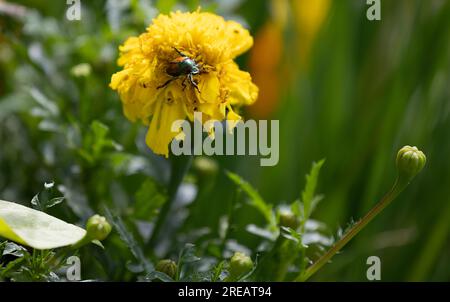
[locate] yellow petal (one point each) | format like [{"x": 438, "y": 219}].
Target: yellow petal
[
  {"x": 119, "y": 80},
  {"x": 128, "y": 50},
  {"x": 232, "y": 119},
  {"x": 242, "y": 91},
  {"x": 213, "y": 111},
  {"x": 160, "y": 134},
  {"x": 209, "y": 87},
  {"x": 239, "y": 39}
]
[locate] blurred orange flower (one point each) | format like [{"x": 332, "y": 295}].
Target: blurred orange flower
[
  {"x": 264, "y": 65},
  {"x": 266, "y": 58}
]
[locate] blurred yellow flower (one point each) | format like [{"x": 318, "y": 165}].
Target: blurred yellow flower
[
  {"x": 183, "y": 63},
  {"x": 309, "y": 18}
]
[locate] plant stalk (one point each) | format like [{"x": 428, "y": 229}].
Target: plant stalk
[
  {"x": 398, "y": 187},
  {"x": 179, "y": 168}
]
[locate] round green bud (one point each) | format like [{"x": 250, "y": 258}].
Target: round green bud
[
  {"x": 205, "y": 166},
  {"x": 167, "y": 267},
  {"x": 97, "y": 227},
  {"x": 288, "y": 219},
  {"x": 410, "y": 161},
  {"x": 81, "y": 70},
  {"x": 240, "y": 264}
]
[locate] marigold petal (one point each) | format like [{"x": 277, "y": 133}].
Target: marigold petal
[
  {"x": 213, "y": 111},
  {"x": 232, "y": 119},
  {"x": 128, "y": 50},
  {"x": 239, "y": 39},
  {"x": 242, "y": 91},
  {"x": 209, "y": 87},
  {"x": 160, "y": 132}
]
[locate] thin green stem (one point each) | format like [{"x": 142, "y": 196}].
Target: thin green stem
[
  {"x": 231, "y": 209},
  {"x": 398, "y": 187},
  {"x": 180, "y": 166}
]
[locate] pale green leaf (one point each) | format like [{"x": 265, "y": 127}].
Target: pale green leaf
[
  {"x": 308, "y": 194},
  {"x": 36, "y": 229},
  {"x": 256, "y": 200}
]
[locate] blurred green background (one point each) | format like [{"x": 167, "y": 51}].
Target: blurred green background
[{"x": 344, "y": 88}]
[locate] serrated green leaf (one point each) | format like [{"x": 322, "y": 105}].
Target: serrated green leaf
[
  {"x": 308, "y": 198},
  {"x": 217, "y": 271},
  {"x": 256, "y": 200}
]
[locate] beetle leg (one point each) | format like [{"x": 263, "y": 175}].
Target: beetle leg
[
  {"x": 184, "y": 83},
  {"x": 191, "y": 79},
  {"x": 166, "y": 83}
]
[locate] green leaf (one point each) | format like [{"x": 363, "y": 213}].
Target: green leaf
[
  {"x": 261, "y": 232},
  {"x": 217, "y": 271},
  {"x": 96, "y": 141},
  {"x": 256, "y": 200},
  {"x": 158, "y": 275},
  {"x": 308, "y": 198},
  {"x": 54, "y": 201},
  {"x": 45, "y": 102},
  {"x": 149, "y": 198},
  {"x": 35, "y": 228},
  {"x": 129, "y": 240},
  {"x": 35, "y": 203},
  {"x": 11, "y": 266},
  {"x": 187, "y": 256},
  {"x": 13, "y": 249},
  {"x": 274, "y": 264}
]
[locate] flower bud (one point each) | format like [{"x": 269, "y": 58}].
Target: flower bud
[
  {"x": 81, "y": 70},
  {"x": 168, "y": 267},
  {"x": 240, "y": 264},
  {"x": 205, "y": 166},
  {"x": 410, "y": 161},
  {"x": 98, "y": 228},
  {"x": 288, "y": 219}
]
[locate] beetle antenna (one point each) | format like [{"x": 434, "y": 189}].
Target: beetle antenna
[{"x": 179, "y": 52}]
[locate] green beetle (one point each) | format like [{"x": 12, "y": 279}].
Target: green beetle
[{"x": 182, "y": 66}]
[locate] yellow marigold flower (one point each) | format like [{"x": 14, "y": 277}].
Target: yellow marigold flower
[{"x": 154, "y": 92}]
